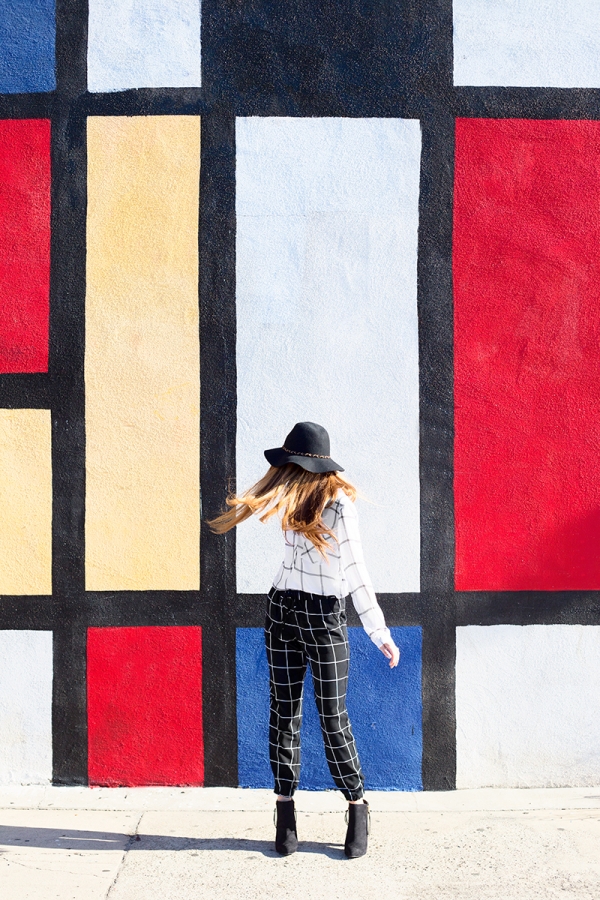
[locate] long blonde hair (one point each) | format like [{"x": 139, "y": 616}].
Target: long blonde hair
[{"x": 298, "y": 496}]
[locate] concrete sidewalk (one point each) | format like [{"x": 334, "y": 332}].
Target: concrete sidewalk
[{"x": 175, "y": 844}]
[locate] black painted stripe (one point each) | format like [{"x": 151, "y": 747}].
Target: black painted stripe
[
  {"x": 218, "y": 431},
  {"x": 144, "y": 102},
  {"x": 528, "y": 608},
  {"x": 436, "y": 372},
  {"x": 67, "y": 329},
  {"x": 30, "y": 613},
  {"x": 26, "y": 106},
  {"x": 32, "y": 391},
  {"x": 526, "y": 103}
]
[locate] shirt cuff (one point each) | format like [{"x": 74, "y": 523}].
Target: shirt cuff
[{"x": 381, "y": 636}]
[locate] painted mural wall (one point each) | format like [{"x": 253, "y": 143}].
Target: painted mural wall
[{"x": 218, "y": 220}]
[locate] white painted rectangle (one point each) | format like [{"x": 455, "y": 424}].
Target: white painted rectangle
[
  {"x": 25, "y": 707},
  {"x": 528, "y": 706},
  {"x": 143, "y": 43},
  {"x": 327, "y": 220},
  {"x": 527, "y": 43}
]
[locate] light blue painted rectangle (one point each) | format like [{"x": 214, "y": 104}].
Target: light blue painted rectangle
[
  {"x": 25, "y": 708},
  {"x": 143, "y": 43},
  {"x": 327, "y": 331},
  {"x": 385, "y": 710},
  {"x": 27, "y": 39},
  {"x": 527, "y": 706},
  {"x": 527, "y": 43}
]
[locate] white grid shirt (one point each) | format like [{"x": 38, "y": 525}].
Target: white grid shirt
[{"x": 342, "y": 573}]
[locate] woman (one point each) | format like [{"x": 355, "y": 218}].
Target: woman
[{"x": 306, "y": 618}]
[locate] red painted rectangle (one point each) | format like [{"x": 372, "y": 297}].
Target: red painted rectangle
[
  {"x": 144, "y": 689},
  {"x": 25, "y": 244},
  {"x": 527, "y": 354}
]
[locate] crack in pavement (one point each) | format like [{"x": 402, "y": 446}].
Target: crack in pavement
[
  {"x": 11, "y": 860},
  {"x": 132, "y": 838}
]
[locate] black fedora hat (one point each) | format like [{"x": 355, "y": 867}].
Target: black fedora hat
[{"x": 307, "y": 445}]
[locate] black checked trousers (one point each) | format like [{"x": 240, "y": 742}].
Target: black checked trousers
[{"x": 303, "y": 629}]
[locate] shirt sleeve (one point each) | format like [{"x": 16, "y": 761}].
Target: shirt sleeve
[{"x": 357, "y": 577}]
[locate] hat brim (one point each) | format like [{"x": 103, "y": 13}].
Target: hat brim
[{"x": 280, "y": 457}]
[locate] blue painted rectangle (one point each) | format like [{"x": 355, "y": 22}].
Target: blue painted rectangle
[
  {"x": 27, "y": 38},
  {"x": 384, "y": 705}
]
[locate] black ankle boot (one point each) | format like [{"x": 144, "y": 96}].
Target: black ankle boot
[
  {"x": 286, "y": 839},
  {"x": 359, "y": 825}
]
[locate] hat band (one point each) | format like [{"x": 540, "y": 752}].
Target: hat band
[{"x": 299, "y": 453}]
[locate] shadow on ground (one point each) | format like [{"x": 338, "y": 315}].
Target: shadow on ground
[{"x": 69, "y": 839}]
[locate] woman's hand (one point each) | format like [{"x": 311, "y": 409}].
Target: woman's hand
[{"x": 391, "y": 652}]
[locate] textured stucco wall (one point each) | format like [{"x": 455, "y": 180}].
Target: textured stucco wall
[
  {"x": 528, "y": 706},
  {"x": 529, "y": 43},
  {"x": 25, "y": 707},
  {"x": 475, "y": 438},
  {"x": 327, "y": 217},
  {"x": 142, "y": 354},
  {"x": 143, "y": 43}
]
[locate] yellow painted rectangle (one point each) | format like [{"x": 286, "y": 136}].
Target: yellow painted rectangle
[
  {"x": 25, "y": 501},
  {"x": 142, "y": 373}
]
